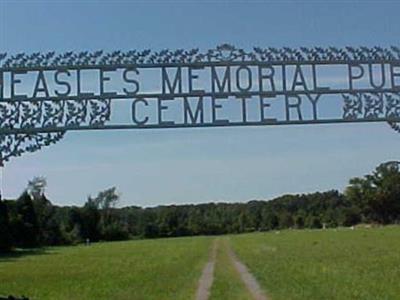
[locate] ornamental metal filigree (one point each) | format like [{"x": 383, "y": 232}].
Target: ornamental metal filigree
[
  {"x": 374, "y": 105},
  {"x": 353, "y": 106},
  {"x": 14, "y": 145},
  {"x": 54, "y": 114},
  {"x": 57, "y": 116},
  {"x": 395, "y": 126},
  {"x": 393, "y": 105},
  {"x": 371, "y": 105},
  {"x": 29, "y": 122},
  {"x": 225, "y": 52},
  {"x": 393, "y": 110}
]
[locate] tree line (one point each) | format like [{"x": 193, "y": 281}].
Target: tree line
[{"x": 33, "y": 221}]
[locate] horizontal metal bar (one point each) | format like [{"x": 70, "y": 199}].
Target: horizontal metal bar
[
  {"x": 206, "y": 94},
  {"x": 198, "y": 125},
  {"x": 198, "y": 64}
]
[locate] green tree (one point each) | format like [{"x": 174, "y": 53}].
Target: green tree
[
  {"x": 90, "y": 221},
  {"x": 49, "y": 227},
  {"x": 5, "y": 235},
  {"x": 270, "y": 219},
  {"x": 36, "y": 187},
  {"x": 111, "y": 226},
  {"x": 313, "y": 222},
  {"x": 285, "y": 220},
  {"x": 378, "y": 194},
  {"x": 299, "y": 220},
  {"x": 25, "y": 223}
]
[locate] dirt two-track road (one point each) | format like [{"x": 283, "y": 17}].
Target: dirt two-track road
[{"x": 207, "y": 277}]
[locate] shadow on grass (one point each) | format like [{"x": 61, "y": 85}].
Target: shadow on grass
[{"x": 19, "y": 253}]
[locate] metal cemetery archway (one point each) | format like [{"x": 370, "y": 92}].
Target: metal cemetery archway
[{"x": 42, "y": 96}]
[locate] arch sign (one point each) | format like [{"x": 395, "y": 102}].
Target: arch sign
[{"x": 42, "y": 96}]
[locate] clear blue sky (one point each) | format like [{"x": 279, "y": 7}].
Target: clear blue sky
[{"x": 200, "y": 165}]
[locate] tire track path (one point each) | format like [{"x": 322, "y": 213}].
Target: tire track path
[
  {"x": 207, "y": 277},
  {"x": 249, "y": 280}
]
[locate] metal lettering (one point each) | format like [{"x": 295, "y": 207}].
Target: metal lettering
[
  {"x": 188, "y": 113},
  {"x": 215, "y": 107},
  {"x": 296, "y": 105},
  {"x": 395, "y": 74},
  {"x": 193, "y": 77},
  {"x": 353, "y": 76},
  {"x": 161, "y": 108},
  {"x": 78, "y": 84},
  {"x": 134, "y": 117},
  {"x": 42, "y": 95},
  {"x": 262, "y": 77},
  {"x": 62, "y": 82},
  {"x": 166, "y": 82},
  {"x": 1, "y": 86},
  {"x": 244, "y": 108},
  {"x": 263, "y": 106},
  {"x": 382, "y": 79},
  {"x": 134, "y": 82},
  {"x": 104, "y": 79},
  {"x": 314, "y": 101},
  {"x": 248, "y": 77},
  {"x": 15, "y": 81},
  {"x": 226, "y": 81},
  {"x": 315, "y": 83},
  {"x": 299, "y": 79}
]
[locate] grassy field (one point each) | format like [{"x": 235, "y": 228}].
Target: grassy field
[
  {"x": 290, "y": 265},
  {"x": 148, "y": 269},
  {"x": 326, "y": 264},
  {"x": 227, "y": 283}
]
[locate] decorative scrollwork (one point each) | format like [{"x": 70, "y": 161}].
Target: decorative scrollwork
[
  {"x": 76, "y": 112},
  {"x": 395, "y": 126},
  {"x": 353, "y": 106},
  {"x": 34, "y": 124},
  {"x": 393, "y": 110},
  {"x": 9, "y": 114},
  {"x": 392, "y": 105},
  {"x": 53, "y": 115},
  {"x": 374, "y": 105},
  {"x": 13, "y": 145},
  {"x": 30, "y": 114},
  {"x": 371, "y": 105},
  {"x": 224, "y": 52},
  {"x": 228, "y": 52},
  {"x": 100, "y": 111}
]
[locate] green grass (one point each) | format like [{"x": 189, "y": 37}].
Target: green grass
[
  {"x": 148, "y": 269},
  {"x": 292, "y": 265},
  {"x": 227, "y": 283},
  {"x": 324, "y": 264}
]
